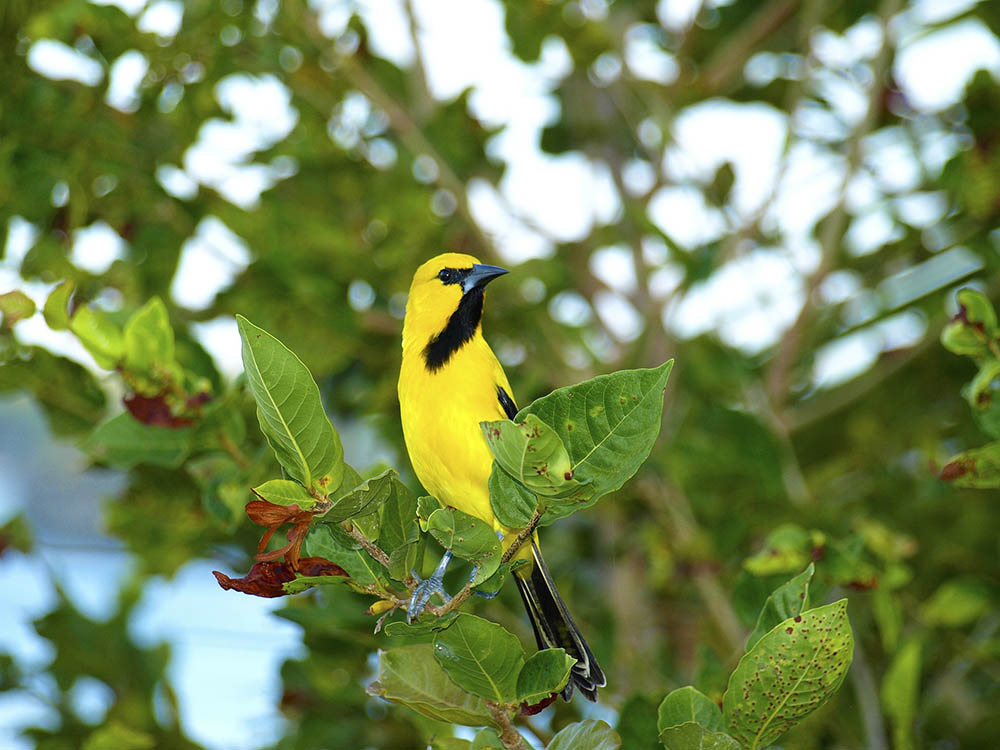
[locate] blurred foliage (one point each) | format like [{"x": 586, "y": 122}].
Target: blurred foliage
[{"x": 758, "y": 470}]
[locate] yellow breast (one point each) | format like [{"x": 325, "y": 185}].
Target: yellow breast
[{"x": 441, "y": 412}]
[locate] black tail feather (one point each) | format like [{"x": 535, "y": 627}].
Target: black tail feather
[{"x": 554, "y": 627}]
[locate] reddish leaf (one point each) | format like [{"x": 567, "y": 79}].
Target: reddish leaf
[
  {"x": 269, "y": 514},
  {"x": 153, "y": 410},
  {"x": 320, "y": 566},
  {"x": 535, "y": 708},
  {"x": 263, "y": 513},
  {"x": 957, "y": 468},
  {"x": 266, "y": 579}
]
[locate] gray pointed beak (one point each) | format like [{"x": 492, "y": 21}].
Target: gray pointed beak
[{"x": 481, "y": 275}]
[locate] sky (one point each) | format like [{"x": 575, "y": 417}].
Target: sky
[{"x": 541, "y": 200}]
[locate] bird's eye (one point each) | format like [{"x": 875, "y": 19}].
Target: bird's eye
[{"x": 446, "y": 275}]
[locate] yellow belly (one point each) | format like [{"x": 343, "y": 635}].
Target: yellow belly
[{"x": 441, "y": 412}]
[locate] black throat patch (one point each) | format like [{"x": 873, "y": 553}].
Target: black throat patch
[{"x": 461, "y": 328}]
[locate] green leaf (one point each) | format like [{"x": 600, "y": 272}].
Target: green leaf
[
  {"x": 366, "y": 498},
  {"x": 978, "y": 310},
  {"x": 981, "y": 392},
  {"x": 467, "y": 537},
  {"x": 398, "y": 525},
  {"x": 788, "y": 600},
  {"x": 425, "y": 506},
  {"x": 56, "y": 308},
  {"x": 15, "y": 305},
  {"x": 957, "y": 603},
  {"x": 888, "y": 613},
  {"x": 786, "y": 549},
  {"x": 487, "y": 739},
  {"x": 900, "y": 692},
  {"x": 450, "y": 743},
  {"x": 512, "y": 503},
  {"x": 302, "y": 583},
  {"x": 423, "y": 629},
  {"x": 532, "y": 453},
  {"x": 404, "y": 559},
  {"x": 411, "y": 677},
  {"x": 481, "y": 657},
  {"x": 285, "y": 492},
  {"x": 692, "y": 736},
  {"x": 544, "y": 673},
  {"x": 637, "y": 723},
  {"x": 963, "y": 340},
  {"x": 689, "y": 704},
  {"x": 608, "y": 425},
  {"x": 970, "y": 332},
  {"x": 586, "y": 735},
  {"x": 99, "y": 336},
  {"x": 978, "y": 468},
  {"x": 324, "y": 541},
  {"x": 788, "y": 674},
  {"x": 149, "y": 339},
  {"x": 122, "y": 441},
  {"x": 117, "y": 736},
  {"x": 349, "y": 482},
  {"x": 289, "y": 408},
  {"x": 69, "y": 393}
]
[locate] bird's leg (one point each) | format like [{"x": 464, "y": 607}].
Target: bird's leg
[{"x": 427, "y": 588}]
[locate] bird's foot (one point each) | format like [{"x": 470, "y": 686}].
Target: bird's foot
[{"x": 427, "y": 588}]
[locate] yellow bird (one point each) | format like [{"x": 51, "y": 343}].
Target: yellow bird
[{"x": 449, "y": 382}]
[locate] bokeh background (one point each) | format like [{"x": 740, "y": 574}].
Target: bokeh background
[{"x": 783, "y": 195}]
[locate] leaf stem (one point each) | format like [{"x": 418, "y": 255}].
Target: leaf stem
[
  {"x": 373, "y": 550},
  {"x": 522, "y": 536},
  {"x": 509, "y": 735},
  {"x": 233, "y": 450},
  {"x": 459, "y": 599}
]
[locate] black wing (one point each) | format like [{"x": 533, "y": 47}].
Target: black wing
[{"x": 509, "y": 407}]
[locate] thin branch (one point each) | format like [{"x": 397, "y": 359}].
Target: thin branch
[
  {"x": 373, "y": 550},
  {"x": 868, "y": 700},
  {"x": 679, "y": 521},
  {"x": 459, "y": 599},
  {"x": 509, "y": 735},
  {"x": 233, "y": 450},
  {"x": 424, "y": 103},
  {"x": 832, "y": 231},
  {"x": 414, "y": 139},
  {"x": 522, "y": 536},
  {"x": 730, "y": 60}
]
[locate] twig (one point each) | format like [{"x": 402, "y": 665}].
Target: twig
[
  {"x": 379, "y": 555},
  {"x": 233, "y": 450},
  {"x": 424, "y": 103},
  {"x": 731, "y": 58},
  {"x": 509, "y": 735},
  {"x": 373, "y": 550},
  {"x": 459, "y": 598},
  {"x": 414, "y": 139},
  {"x": 522, "y": 537},
  {"x": 868, "y": 700},
  {"x": 832, "y": 231},
  {"x": 680, "y": 522}
]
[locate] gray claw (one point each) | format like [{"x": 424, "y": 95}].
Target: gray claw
[{"x": 427, "y": 588}]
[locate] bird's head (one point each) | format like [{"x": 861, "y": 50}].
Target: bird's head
[{"x": 446, "y": 303}]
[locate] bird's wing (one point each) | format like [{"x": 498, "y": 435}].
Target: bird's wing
[
  {"x": 506, "y": 402},
  {"x": 505, "y": 394}
]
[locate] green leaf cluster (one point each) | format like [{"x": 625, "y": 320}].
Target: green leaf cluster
[
  {"x": 795, "y": 660},
  {"x": 570, "y": 448},
  {"x": 974, "y": 333}
]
